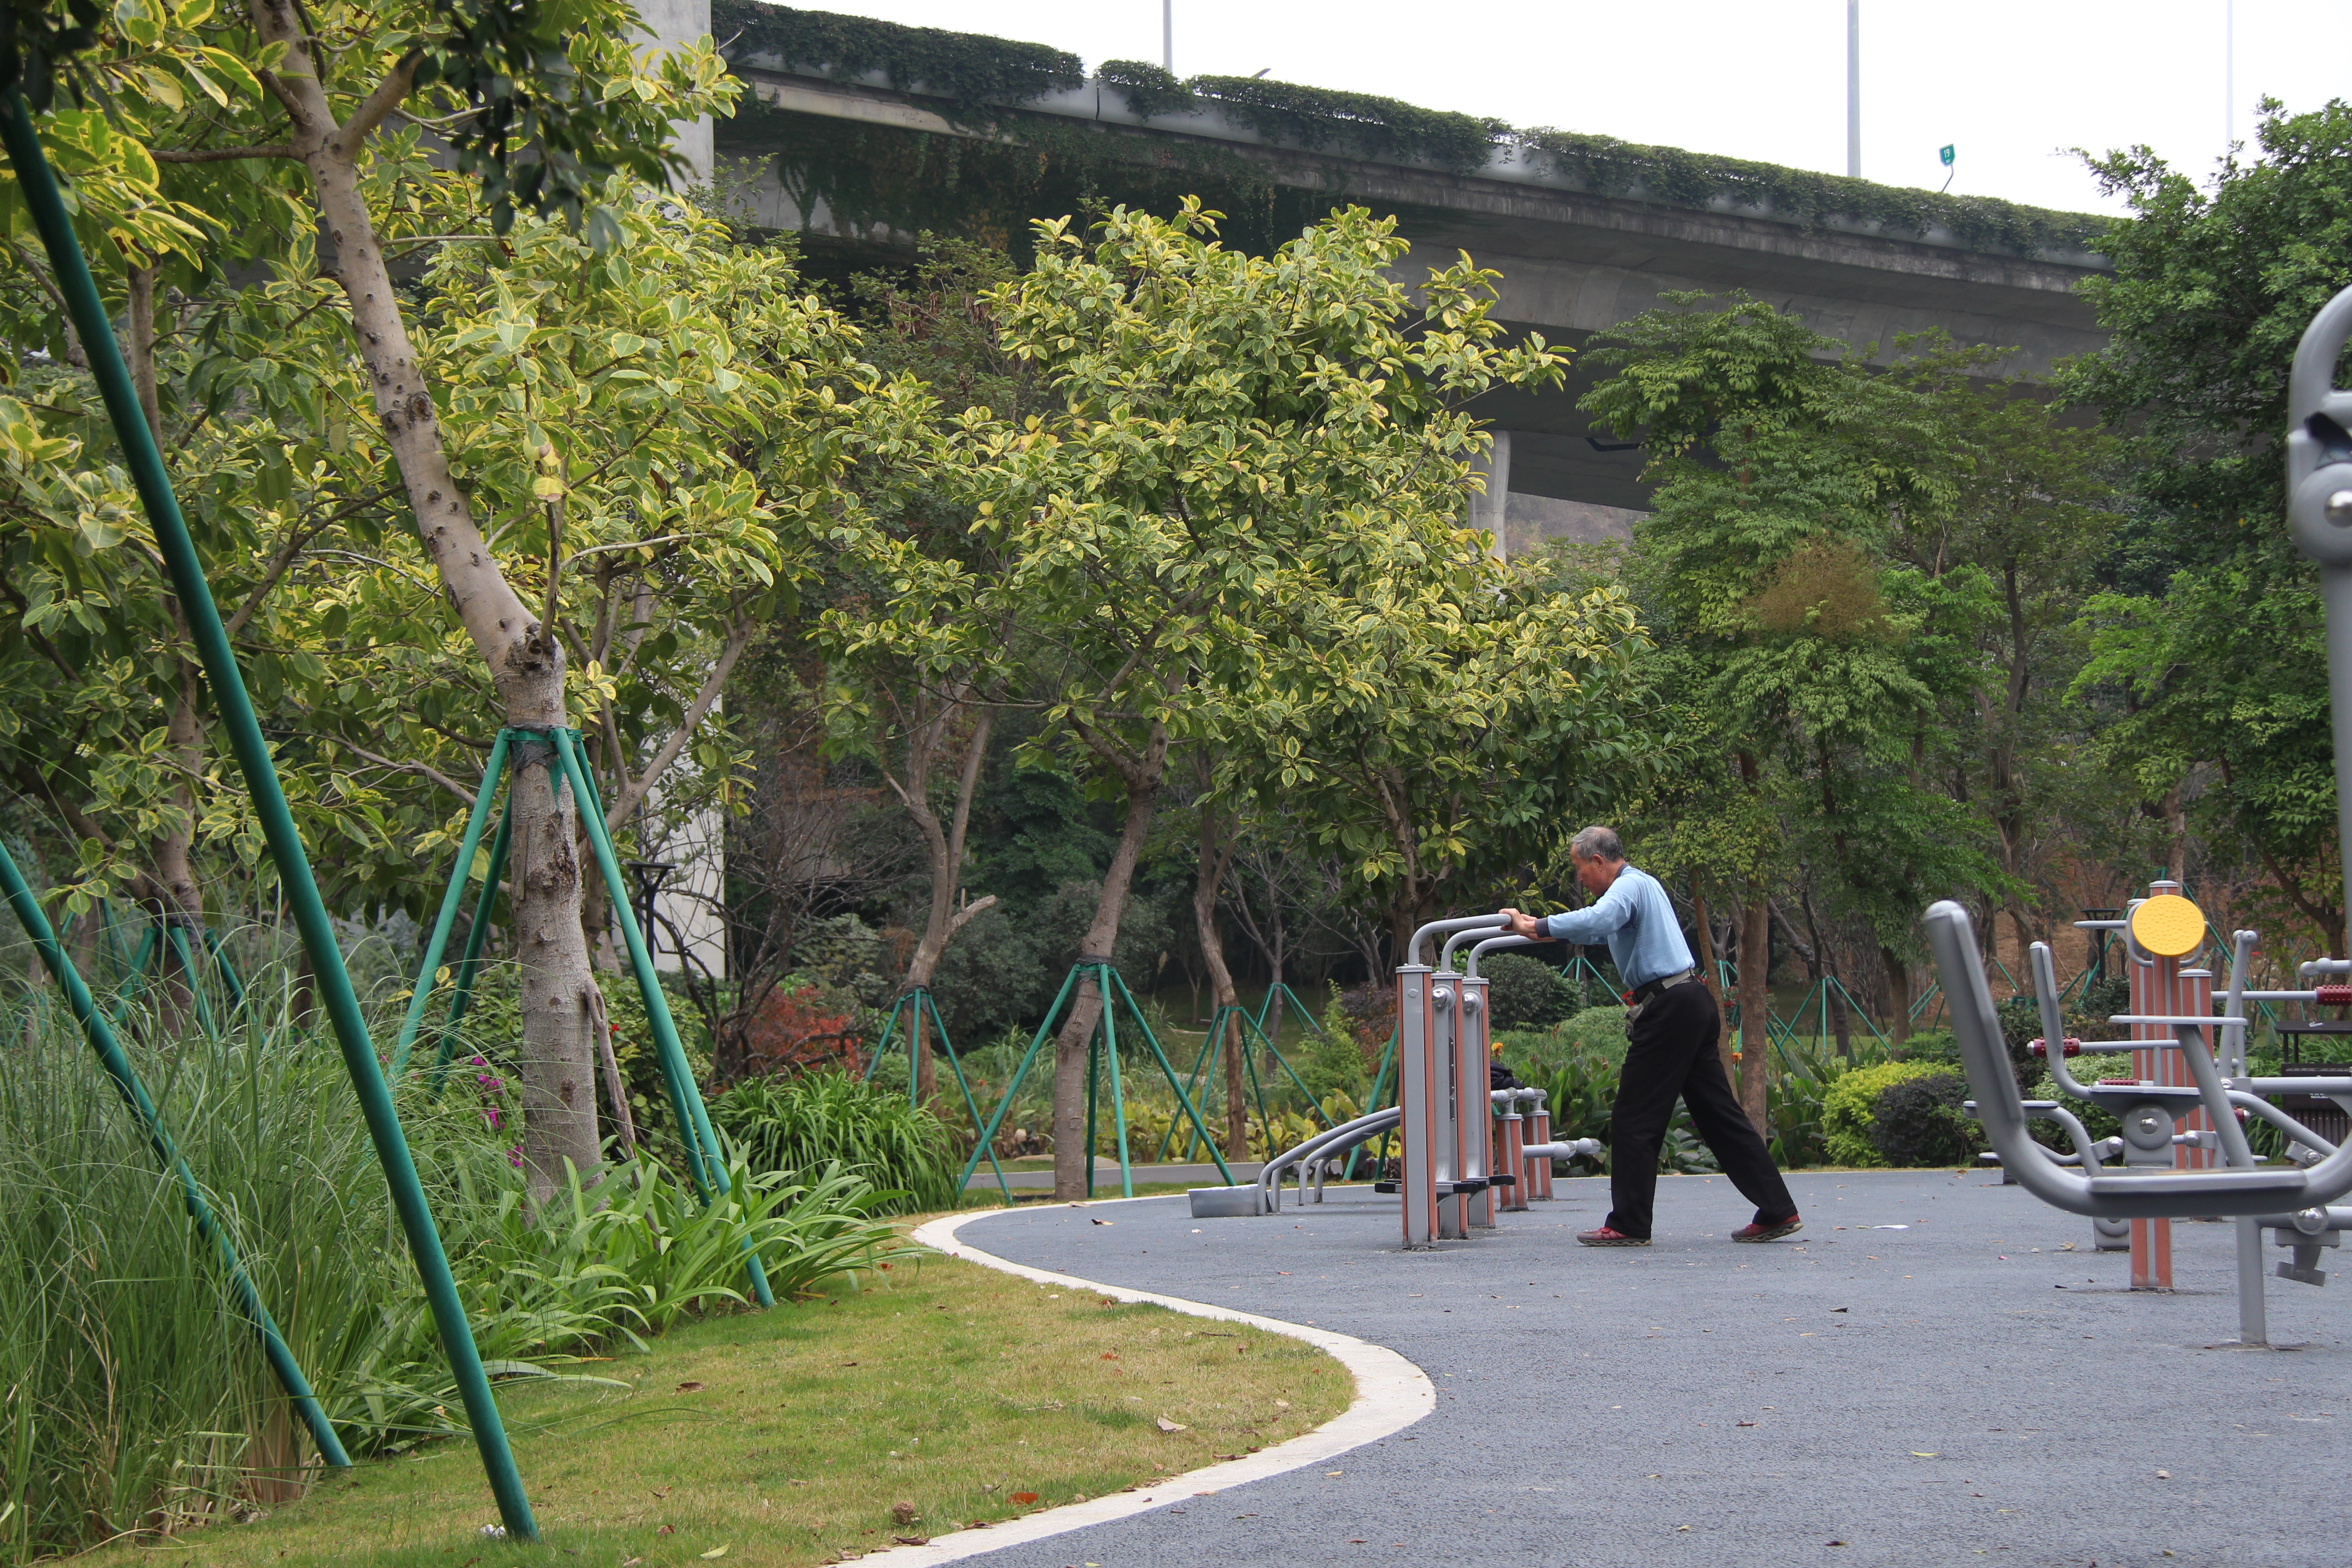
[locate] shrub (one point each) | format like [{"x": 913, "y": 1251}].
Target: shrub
[
  {"x": 1526, "y": 993},
  {"x": 827, "y": 1117},
  {"x": 2097, "y": 1120},
  {"x": 1919, "y": 1121},
  {"x": 1929, "y": 1046},
  {"x": 1334, "y": 1065},
  {"x": 1850, "y": 1108},
  {"x": 1598, "y": 1032}
]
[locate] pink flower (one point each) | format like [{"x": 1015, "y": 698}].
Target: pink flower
[{"x": 514, "y": 1156}]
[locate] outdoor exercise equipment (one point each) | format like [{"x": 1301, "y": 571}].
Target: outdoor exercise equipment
[
  {"x": 1464, "y": 1149},
  {"x": 557, "y": 750},
  {"x": 145, "y": 463},
  {"x": 915, "y": 1004},
  {"x": 1102, "y": 1047},
  {"x": 2295, "y": 1199},
  {"x": 1445, "y": 1107}
]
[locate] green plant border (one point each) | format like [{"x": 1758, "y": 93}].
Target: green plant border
[{"x": 970, "y": 71}]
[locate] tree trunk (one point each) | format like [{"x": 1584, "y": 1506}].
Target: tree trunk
[
  {"x": 1711, "y": 978},
  {"x": 1898, "y": 982},
  {"x": 1754, "y": 1002},
  {"x": 524, "y": 657},
  {"x": 2176, "y": 832},
  {"x": 1074, "y": 1043},
  {"x": 945, "y": 845},
  {"x": 1217, "y": 846},
  {"x": 139, "y": 310}
]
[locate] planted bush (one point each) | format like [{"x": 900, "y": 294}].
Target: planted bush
[
  {"x": 827, "y": 1117},
  {"x": 1919, "y": 1121},
  {"x": 1525, "y": 993},
  {"x": 134, "y": 1398},
  {"x": 1850, "y": 1109}
]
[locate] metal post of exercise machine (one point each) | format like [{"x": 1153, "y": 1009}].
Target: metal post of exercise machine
[
  {"x": 1425, "y": 1001},
  {"x": 1505, "y": 1164}
]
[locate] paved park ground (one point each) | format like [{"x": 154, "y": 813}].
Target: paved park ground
[{"x": 1978, "y": 1386}]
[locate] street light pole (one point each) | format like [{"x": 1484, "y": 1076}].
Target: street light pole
[
  {"x": 1853, "y": 87},
  {"x": 1168, "y": 35}
]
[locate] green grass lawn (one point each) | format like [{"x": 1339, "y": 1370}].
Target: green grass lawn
[{"x": 789, "y": 1437}]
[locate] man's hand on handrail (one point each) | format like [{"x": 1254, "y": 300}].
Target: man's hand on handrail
[{"x": 1523, "y": 925}]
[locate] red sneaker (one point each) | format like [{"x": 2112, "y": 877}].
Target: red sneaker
[
  {"x": 1774, "y": 1232},
  {"x": 1605, "y": 1237}
]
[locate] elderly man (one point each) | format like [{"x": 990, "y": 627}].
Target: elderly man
[{"x": 1672, "y": 1031}]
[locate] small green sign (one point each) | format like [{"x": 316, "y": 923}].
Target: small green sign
[{"x": 1946, "y": 153}]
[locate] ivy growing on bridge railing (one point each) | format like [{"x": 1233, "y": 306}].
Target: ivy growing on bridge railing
[
  {"x": 975, "y": 73},
  {"x": 970, "y": 71},
  {"x": 1670, "y": 175}
]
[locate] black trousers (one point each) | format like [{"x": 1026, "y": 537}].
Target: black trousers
[{"x": 1672, "y": 1055}]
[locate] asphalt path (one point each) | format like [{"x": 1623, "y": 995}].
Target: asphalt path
[{"x": 1978, "y": 1386}]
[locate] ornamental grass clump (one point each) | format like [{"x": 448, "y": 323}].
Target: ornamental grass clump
[
  {"x": 133, "y": 1396},
  {"x": 825, "y": 1117}
]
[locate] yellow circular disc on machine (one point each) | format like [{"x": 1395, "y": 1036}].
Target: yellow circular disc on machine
[{"x": 2168, "y": 926}]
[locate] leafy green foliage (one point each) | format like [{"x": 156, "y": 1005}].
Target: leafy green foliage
[
  {"x": 1850, "y": 1109},
  {"x": 40, "y": 36},
  {"x": 802, "y": 1125},
  {"x": 2208, "y": 648},
  {"x": 1526, "y": 993},
  {"x": 1918, "y": 1121},
  {"x": 548, "y": 119},
  {"x": 1669, "y": 175},
  {"x": 141, "y": 1398}
]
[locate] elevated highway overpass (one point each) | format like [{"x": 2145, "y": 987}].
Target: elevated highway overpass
[{"x": 857, "y": 137}]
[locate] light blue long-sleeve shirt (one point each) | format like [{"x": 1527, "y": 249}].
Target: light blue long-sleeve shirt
[{"x": 1637, "y": 919}]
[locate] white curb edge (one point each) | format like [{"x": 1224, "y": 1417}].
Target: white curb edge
[{"x": 1391, "y": 1394}]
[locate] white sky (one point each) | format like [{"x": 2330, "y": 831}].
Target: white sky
[{"x": 2012, "y": 84}]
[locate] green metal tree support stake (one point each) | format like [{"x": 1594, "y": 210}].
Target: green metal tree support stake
[
  {"x": 477, "y": 936},
  {"x": 449, "y": 902},
  {"x": 913, "y": 1005},
  {"x": 135, "y": 1095},
  {"x": 705, "y": 1162},
  {"x": 252, "y": 752},
  {"x": 693, "y": 1118},
  {"x": 1112, "y": 989}
]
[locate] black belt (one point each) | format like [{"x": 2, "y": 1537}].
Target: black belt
[{"x": 1649, "y": 988}]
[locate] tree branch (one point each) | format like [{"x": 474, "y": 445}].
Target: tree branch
[
  {"x": 221, "y": 154},
  {"x": 395, "y": 87},
  {"x": 625, "y": 801},
  {"x": 963, "y": 916},
  {"x": 420, "y": 769}
]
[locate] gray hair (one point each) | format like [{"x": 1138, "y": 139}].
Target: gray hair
[{"x": 1597, "y": 843}]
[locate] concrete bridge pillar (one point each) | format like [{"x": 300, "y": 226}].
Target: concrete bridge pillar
[
  {"x": 673, "y": 24},
  {"x": 1490, "y": 511}
]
